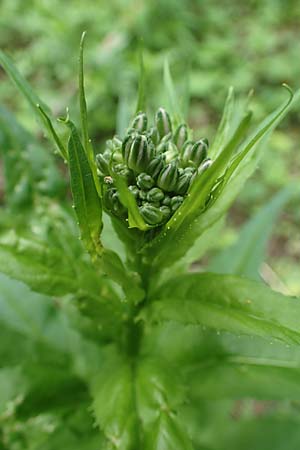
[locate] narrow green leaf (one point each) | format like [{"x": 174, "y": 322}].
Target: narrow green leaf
[
  {"x": 87, "y": 202},
  {"x": 135, "y": 220},
  {"x": 228, "y": 303},
  {"x": 223, "y": 130},
  {"x": 82, "y": 100},
  {"x": 48, "y": 124},
  {"x": 247, "y": 254}
]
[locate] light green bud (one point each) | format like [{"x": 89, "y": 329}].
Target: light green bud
[
  {"x": 180, "y": 136},
  {"x": 155, "y": 195},
  {"x": 176, "y": 202},
  {"x": 145, "y": 181},
  {"x": 151, "y": 214},
  {"x": 163, "y": 122},
  {"x": 168, "y": 177},
  {"x": 140, "y": 122}
]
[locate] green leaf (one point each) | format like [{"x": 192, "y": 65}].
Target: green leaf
[
  {"x": 228, "y": 303},
  {"x": 114, "y": 402},
  {"x": 87, "y": 202},
  {"x": 37, "y": 105},
  {"x": 199, "y": 210},
  {"x": 223, "y": 130},
  {"x": 135, "y": 220},
  {"x": 160, "y": 397},
  {"x": 40, "y": 267},
  {"x": 246, "y": 255},
  {"x": 129, "y": 281}
]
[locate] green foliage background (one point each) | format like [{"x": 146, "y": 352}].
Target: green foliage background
[{"x": 210, "y": 46}]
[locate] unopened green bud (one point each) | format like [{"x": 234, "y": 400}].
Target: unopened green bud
[
  {"x": 183, "y": 183},
  {"x": 134, "y": 190},
  {"x": 168, "y": 177},
  {"x": 166, "y": 212},
  {"x": 189, "y": 170},
  {"x": 186, "y": 153},
  {"x": 143, "y": 194},
  {"x": 176, "y": 202},
  {"x": 140, "y": 122},
  {"x": 204, "y": 166},
  {"x": 155, "y": 195},
  {"x": 199, "y": 152},
  {"x": 145, "y": 181},
  {"x": 155, "y": 166},
  {"x": 180, "y": 136},
  {"x": 166, "y": 201},
  {"x": 163, "y": 122},
  {"x": 153, "y": 135},
  {"x": 151, "y": 214},
  {"x": 102, "y": 161},
  {"x": 139, "y": 154}
]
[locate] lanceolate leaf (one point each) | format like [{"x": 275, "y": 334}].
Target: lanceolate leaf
[
  {"x": 225, "y": 125},
  {"x": 228, "y": 303},
  {"x": 87, "y": 202}
]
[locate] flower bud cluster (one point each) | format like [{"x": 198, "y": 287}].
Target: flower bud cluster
[{"x": 158, "y": 163}]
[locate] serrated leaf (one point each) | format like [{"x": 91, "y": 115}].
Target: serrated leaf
[
  {"x": 246, "y": 255},
  {"x": 160, "y": 397},
  {"x": 87, "y": 203},
  {"x": 129, "y": 281},
  {"x": 228, "y": 303},
  {"x": 113, "y": 402}
]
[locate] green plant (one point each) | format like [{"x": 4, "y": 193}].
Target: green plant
[{"x": 121, "y": 331}]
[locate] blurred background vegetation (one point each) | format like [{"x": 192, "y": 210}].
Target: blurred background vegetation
[{"x": 210, "y": 46}]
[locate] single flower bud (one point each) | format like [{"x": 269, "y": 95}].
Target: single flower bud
[
  {"x": 144, "y": 181},
  {"x": 180, "y": 136},
  {"x": 151, "y": 214},
  {"x": 186, "y": 153},
  {"x": 168, "y": 177},
  {"x": 155, "y": 195},
  {"x": 176, "y": 202},
  {"x": 123, "y": 171},
  {"x": 199, "y": 152},
  {"x": 140, "y": 122},
  {"x": 143, "y": 194},
  {"x": 204, "y": 166},
  {"x": 139, "y": 154},
  {"x": 102, "y": 161},
  {"x": 183, "y": 183},
  {"x": 155, "y": 166},
  {"x": 163, "y": 122}
]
